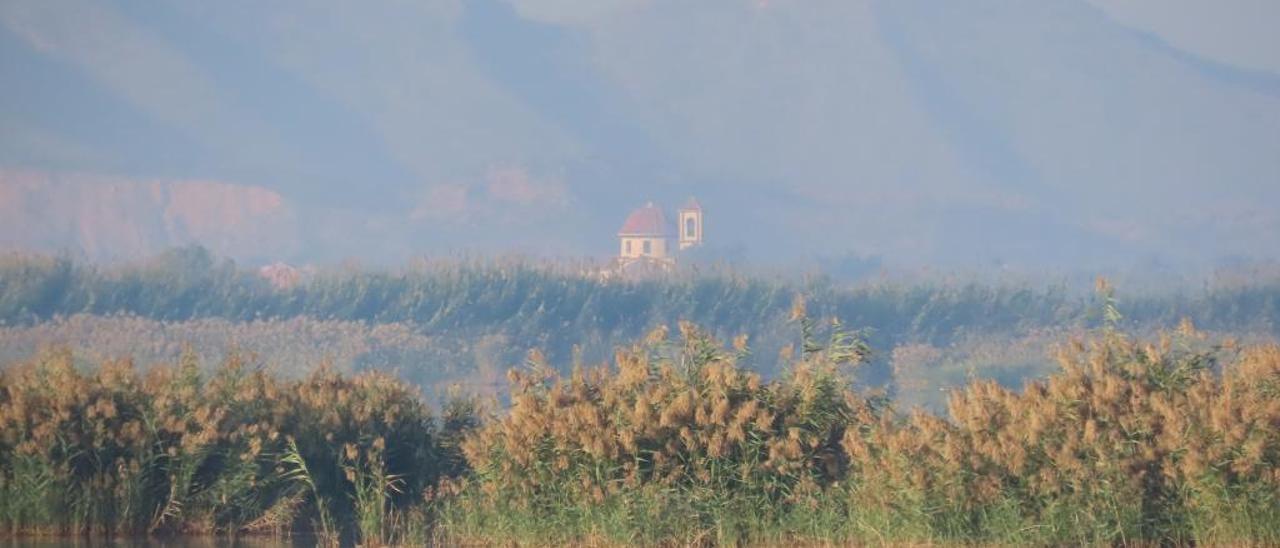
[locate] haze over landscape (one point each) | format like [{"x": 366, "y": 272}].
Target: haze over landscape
[
  {"x": 987, "y": 133},
  {"x": 640, "y": 272}
]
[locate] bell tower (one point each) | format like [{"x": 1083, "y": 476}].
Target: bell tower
[{"x": 690, "y": 224}]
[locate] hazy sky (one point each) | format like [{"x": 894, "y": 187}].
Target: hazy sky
[
  {"x": 1236, "y": 32},
  {"x": 1055, "y": 132}
]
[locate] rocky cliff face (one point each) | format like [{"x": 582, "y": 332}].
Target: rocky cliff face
[{"x": 109, "y": 218}]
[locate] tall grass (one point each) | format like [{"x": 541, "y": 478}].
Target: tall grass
[
  {"x": 1170, "y": 441},
  {"x": 1129, "y": 442},
  {"x": 555, "y": 306},
  {"x": 678, "y": 442},
  {"x": 450, "y": 321},
  {"x": 112, "y": 451},
  {"x": 1175, "y": 439}
]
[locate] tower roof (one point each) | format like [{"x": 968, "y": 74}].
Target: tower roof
[
  {"x": 646, "y": 221},
  {"x": 691, "y": 204}
]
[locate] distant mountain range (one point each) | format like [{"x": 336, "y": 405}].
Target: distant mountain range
[
  {"x": 110, "y": 219},
  {"x": 985, "y": 132}
]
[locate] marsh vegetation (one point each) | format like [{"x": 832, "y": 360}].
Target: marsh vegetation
[{"x": 1125, "y": 433}]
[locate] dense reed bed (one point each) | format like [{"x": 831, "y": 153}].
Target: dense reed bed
[
  {"x": 437, "y": 323},
  {"x": 1172, "y": 440},
  {"x": 290, "y": 347},
  {"x": 555, "y": 306},
  {"x": 115, "y": 452}
]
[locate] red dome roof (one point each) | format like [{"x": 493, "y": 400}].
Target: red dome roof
[{"x": 646, "y": 221}]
